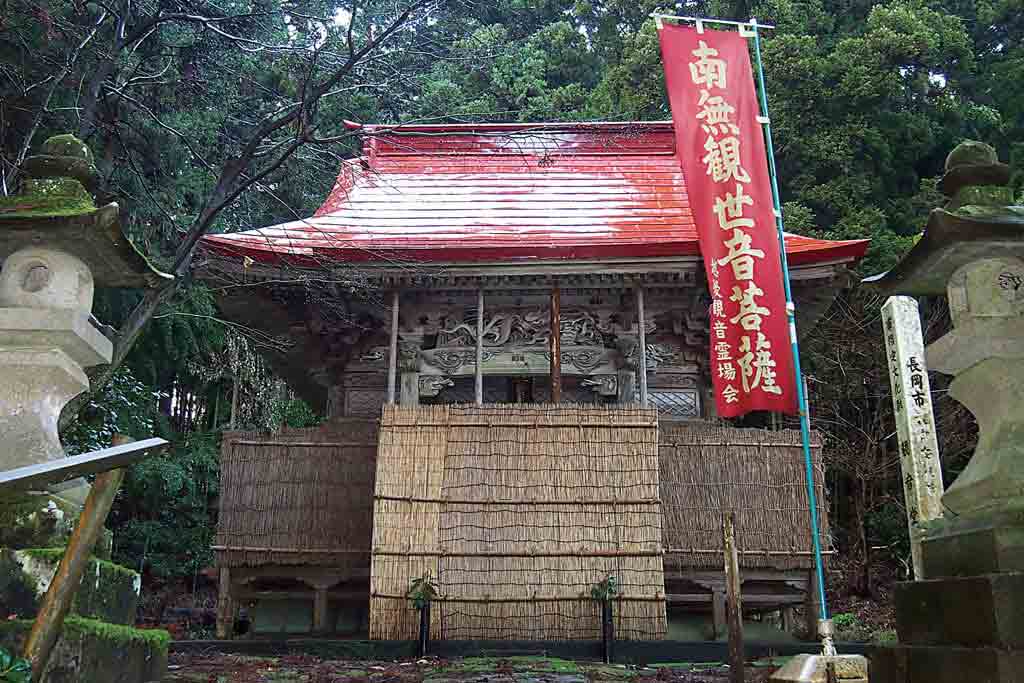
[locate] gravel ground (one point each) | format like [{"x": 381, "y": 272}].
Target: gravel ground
[{"x": 218, "y": 668}]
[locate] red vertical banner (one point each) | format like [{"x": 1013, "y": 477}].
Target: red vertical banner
[{"x": 721, "y": 149}]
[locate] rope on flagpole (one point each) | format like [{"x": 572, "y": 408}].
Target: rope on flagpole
[{"x": 750, "y": 29}]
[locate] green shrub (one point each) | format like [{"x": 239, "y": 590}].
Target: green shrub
[{"x": 14, "y": 669}]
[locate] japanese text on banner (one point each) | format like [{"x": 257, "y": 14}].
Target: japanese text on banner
[{"x": 721, "y": 151}]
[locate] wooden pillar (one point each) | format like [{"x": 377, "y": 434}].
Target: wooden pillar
[
  {"x": 627, "y": 386},
  {"x": 234, "y": 401},
  {"x": 410, "y": 395},
  {"x": 227, "y": 606},
  {"x": 393, "y": 349},
  {"x": 734, "y": 604},
  {"x": 556, "y": 345},
  {"x": 788, "y": 620},
  {"x": 641, "y": 324},
  {"x": 61, "y": 593},
  {"x": 718, "y": 613},
  {"x": 479, "y": 368},
  {"x": 320, "y": 624},
  {"x": 812, "y": 606}
]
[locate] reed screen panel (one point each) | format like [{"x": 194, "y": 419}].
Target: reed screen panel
[
  {"x": 297, "y": 497},
  {"x": 516, "y": 512},
  {"x": 707, "y": 469}
]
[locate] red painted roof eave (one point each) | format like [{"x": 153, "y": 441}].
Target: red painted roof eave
[{"x": 797, "y": 254}]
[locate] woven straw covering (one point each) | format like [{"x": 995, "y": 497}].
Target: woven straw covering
[
  {"x": 297, "y": 497},
  {"x": 516, "y": 512},
  {"x": 707, "y": 469}
]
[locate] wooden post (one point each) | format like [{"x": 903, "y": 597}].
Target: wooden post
[
  {"x": 641, "y": 324},
  {"x": 227, "y": 607},
  {"x": 556, "y": 345},
  {"x": 61, "y": 593},
  {"x": 320, "y": 609},
  {"x": 393, "y": 349},
  {"x": 718, "y": 624},
  {"x": 734, "y": 604},
  {"x": 479, "y": 370},
  {"x": 234, "y": 401},
  {"x": 812, "y": 606},
  {"x": 410, "y": 389},
  {"x": 788, "y": 620},
  {"x": 627, "y": 386}
]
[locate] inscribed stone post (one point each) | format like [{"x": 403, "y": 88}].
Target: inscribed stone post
[{"x": 920, "y": 467}]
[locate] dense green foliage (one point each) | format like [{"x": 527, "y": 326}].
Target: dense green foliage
[
  {"x": 867, "y": 98},
  {"x": 14, "y": 669}
]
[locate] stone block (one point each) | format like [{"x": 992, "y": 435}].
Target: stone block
[
  {"x": 939, "y": 664},
  {"x": 971, "y": 611},
  {"x": 964, "y": 547},
  {"x": 91, "y": 651},
  {"x": 108, "y": 592},
  {"x": 814, "y": 669}
]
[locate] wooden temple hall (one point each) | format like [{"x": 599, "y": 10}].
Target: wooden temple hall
[{"x": 507, "y": 328}]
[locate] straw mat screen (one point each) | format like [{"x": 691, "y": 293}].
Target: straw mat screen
[{"x": 516, "y": 512}]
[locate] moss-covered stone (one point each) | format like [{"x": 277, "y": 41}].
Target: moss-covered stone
[
  {"x": 108, "y": 592},
  {"x": 48, "y": 197},
  {"x": 18, "y": 596},
  {"x": 91, "y": 651}
]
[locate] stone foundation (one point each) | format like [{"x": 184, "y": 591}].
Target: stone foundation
[
  {"x": 967, "y": 625},
  {"x": 96, "y": 652}
]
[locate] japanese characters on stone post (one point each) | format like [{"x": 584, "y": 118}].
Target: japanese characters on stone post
[{"x": 915, "y": 425}]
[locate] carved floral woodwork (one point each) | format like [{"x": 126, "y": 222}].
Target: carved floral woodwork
[
  {"x": 530, "y": 327},
  {"x": 431, "y": 385}
]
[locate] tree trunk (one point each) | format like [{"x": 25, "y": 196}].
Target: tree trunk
[{"x": 860, "y": 581}]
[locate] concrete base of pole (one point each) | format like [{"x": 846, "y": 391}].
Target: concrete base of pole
[{"x": 815, "y": 669}]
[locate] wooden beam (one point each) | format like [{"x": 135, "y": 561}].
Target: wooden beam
[
  {"x": 61, "y": 593},
  {"x": 641, "y": 324},
  {"x": 556, "y": 345},
  {"x": 348, "y": 596},
  {"x": 734, "y": 604},
  {"x": 478, "y": 371},
  {"x": 63, "y": 469},
  {"x": 759, "y": 600},
  {"x": 393, "y": 349}
]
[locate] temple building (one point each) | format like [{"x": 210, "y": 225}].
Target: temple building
[{"x": 532, "y": 299}]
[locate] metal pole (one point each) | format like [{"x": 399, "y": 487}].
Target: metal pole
[
  {"x": 479, "y": 372},
  {"x": 424, "y": 639},
  {"x": 641, "y": 324},
  {"x": 556, "y": 345},
  {"x": 801, "y": 396},
  {"x": 393, "y": 350},
  {"x": 607, "y": 631}
]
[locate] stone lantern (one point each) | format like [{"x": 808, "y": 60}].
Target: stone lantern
[
  {"x": 55, "y": 246},
  {"x": 964, "y": 620}
]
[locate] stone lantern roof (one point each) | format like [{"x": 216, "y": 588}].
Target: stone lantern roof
[
  {"x": 56, "y": 210},
  {"x": 979, "y": 220}
]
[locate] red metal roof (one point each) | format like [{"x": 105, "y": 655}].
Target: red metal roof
[{"x": 504, "y": 192}]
